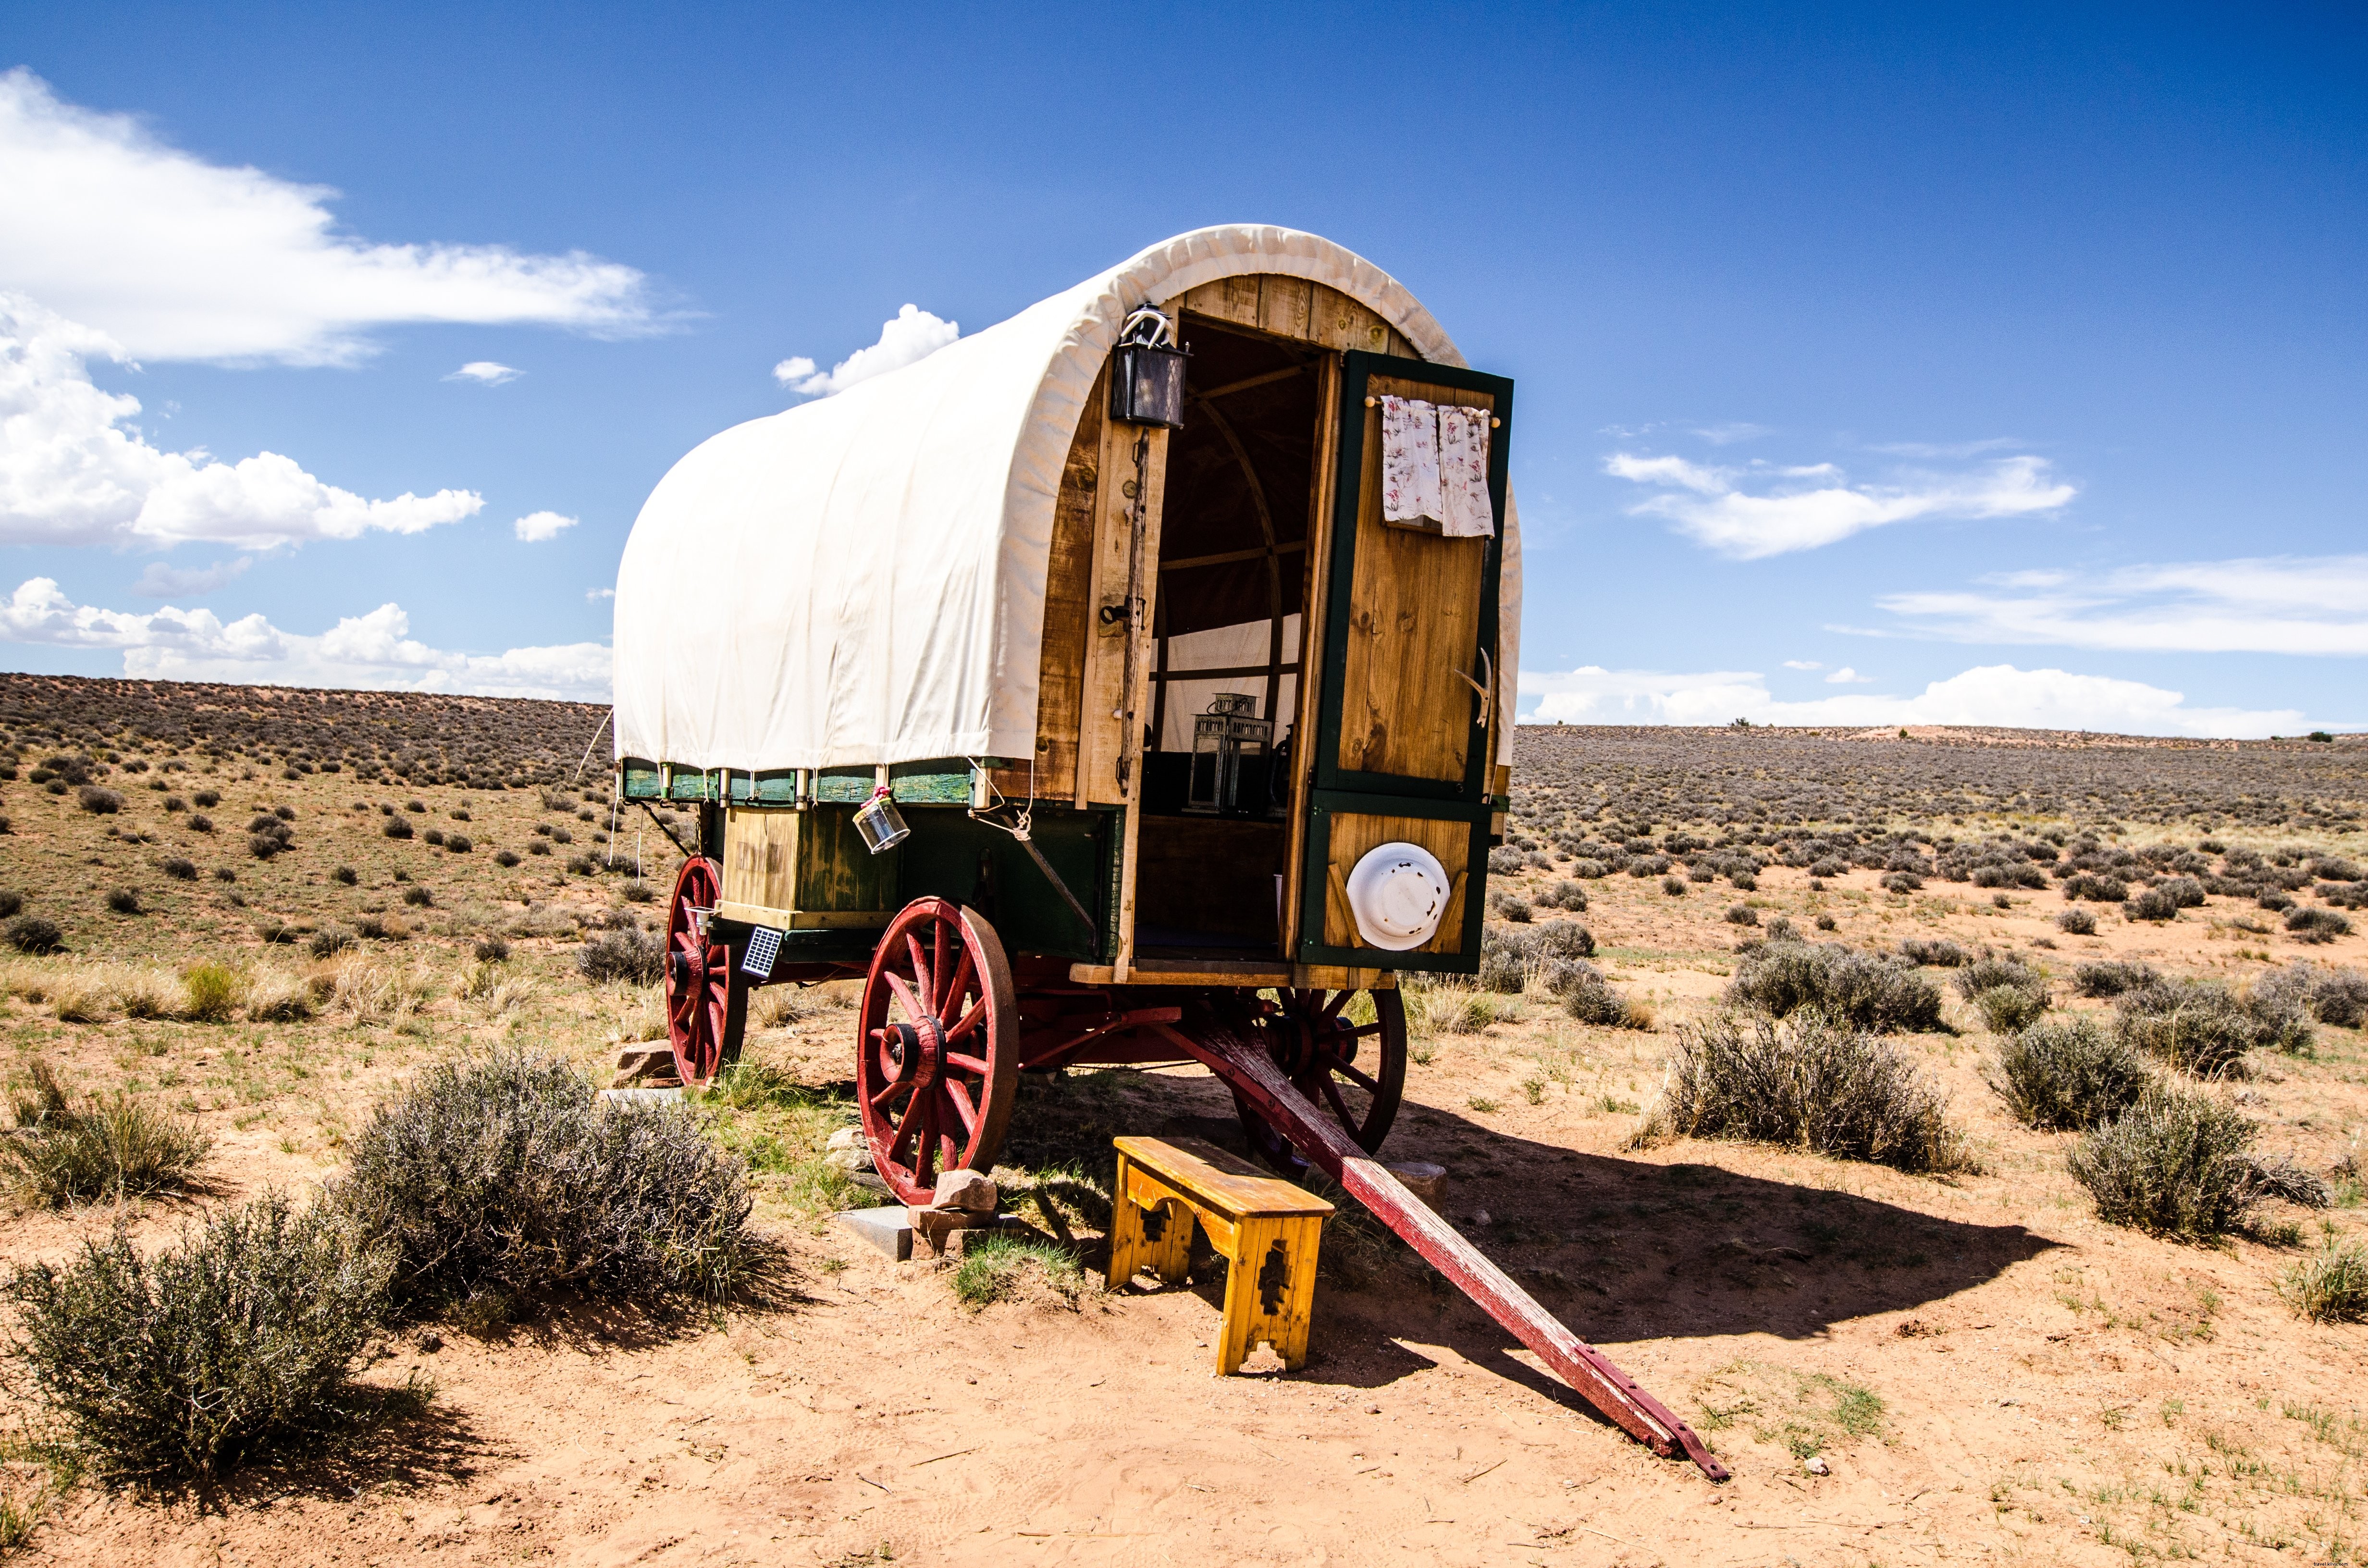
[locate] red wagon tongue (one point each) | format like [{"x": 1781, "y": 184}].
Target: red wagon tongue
[{"x": 1253, "y": 1075}]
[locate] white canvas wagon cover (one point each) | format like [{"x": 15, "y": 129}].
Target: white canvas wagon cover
[{"x": 860, "y": 579}]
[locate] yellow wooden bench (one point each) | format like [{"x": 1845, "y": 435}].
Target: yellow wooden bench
[{"x": 1266, "y": 1230}]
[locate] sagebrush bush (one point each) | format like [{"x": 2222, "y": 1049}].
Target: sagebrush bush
[
  {"x": 1589, "y": 997},
  {"x": 1808, "y": 1082},
  {"x": 1862, "y": 989},
  {"x": 2178, "y": 1163},
  {"x": 2077, "y": 922},
  {"x": 1742, "y": 914},
  {"x": 497, "y": 1181},
  {"x": 107, "y": 1146},
  {"x": 2204, "y": 1028},
  {"x": 99, "y": 801},
  {"x": 181, "y": 870},
  {"x": 638, "y": 957},
  {"x": 2006, "y": 1009},
  {"x": 2338, "y": 997},
  {"x": 2152, "y": 904},
  {"x": 124, "y": 901},
  {"x": 1992, "y": 970},
  {"x": 181, "y": 1365},
  {"x": 1934, "y": 952},
  {"x": 34, "y": 934},
  {"x": 2068, "y": 1072},
  {"x": 2330, "y": 1285},
  {"x": 2317, "y": 925},
  {"x": 1566, "y": 895},
  {"x": 2114, "y": 978}
]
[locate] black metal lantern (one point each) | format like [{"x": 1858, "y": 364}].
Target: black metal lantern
[{"x": 1147, "y": 372}]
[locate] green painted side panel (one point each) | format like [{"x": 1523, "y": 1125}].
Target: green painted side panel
[{"x": 955, "y": 857}]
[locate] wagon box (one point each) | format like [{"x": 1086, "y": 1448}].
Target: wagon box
[{"x": 1130, "y": 681}]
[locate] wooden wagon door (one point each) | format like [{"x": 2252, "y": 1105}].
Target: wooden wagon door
[{"x": 1404, "y": 732}]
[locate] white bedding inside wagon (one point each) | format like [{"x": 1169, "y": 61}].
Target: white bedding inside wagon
[{"x": 860, "y": 579}]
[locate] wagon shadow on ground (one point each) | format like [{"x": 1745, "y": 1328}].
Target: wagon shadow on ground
[{"x": 1621, "y": 1249}]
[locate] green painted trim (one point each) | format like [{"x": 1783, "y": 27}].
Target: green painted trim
[{"x": 940, "y": 781}]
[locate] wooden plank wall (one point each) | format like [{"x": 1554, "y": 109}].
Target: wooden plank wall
[
  {"x": 1414, "y": 625},
  {"x": 1294, "y": 308},
  {"x": 1068, "y": 576},
  {"x": 1353, "y": 834}
]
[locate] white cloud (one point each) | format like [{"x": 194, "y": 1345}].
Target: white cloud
[
  {"x": 911, "y": 334},
  {"x": 371, "y": 651},
  {"x": 1802, "y": 507},
  {"x": 163, "y": 582},
  {"x": 1946, "y": 448},
  {"x": 485, "y": 373},
  {"x": 594, "y": 595},
  {"x": 72, "y": 471},
  {"x": 537, "y": 527},
  {"x": 1988, "y": 694},
  {"x": 2315, "y": 604},
  {"x": 177, "y": 258},
  {"x": 1803, "y": 665},
  {"x": 1848, "y": 676}
]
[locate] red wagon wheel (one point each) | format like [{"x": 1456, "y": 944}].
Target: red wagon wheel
[
  {"x": 1353, "y": 1070},
  {"x": 706, "y": 1004},
  {"x": 936, "y": 1063}
]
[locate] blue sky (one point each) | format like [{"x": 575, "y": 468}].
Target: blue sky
[{"x": 1881, "y": 365}]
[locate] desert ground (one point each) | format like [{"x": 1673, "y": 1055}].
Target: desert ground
[{"x": 1898, "y": 1369}]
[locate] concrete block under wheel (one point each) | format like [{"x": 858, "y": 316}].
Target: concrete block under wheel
[{"x": 890, "y": 1229}]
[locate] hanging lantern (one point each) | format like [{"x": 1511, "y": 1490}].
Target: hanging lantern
[
  {"x": 1147, "y": 372},
  {"x": 879, "y": 823}
]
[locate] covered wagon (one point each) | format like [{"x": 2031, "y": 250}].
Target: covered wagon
[{"x": 1130, "y": 681}]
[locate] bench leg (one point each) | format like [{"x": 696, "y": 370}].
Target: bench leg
[
  {"x": 1270, "y": 1290},
  {"x": 1140, "y": 1209}
]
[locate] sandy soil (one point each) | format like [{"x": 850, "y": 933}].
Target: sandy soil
[{"x": 1987, "y": 1372}]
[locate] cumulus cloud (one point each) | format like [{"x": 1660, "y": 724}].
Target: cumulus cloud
[
  {"x": 912, "y": 334},
  {"x": 1848, "y": 676},
  {"x": 2258, "y": 605},
  {"x": 1986, "y": 695},
  {"x": 537, "y": 527},
  {"x": 178, "y": 258},
  {"x": 594, "y": 595},
  {"x": 163, "y": 582},
  {"x": 1761, "y": 509},
  {"x": 485, "y": 373},
  {"x": 371, "y": 651},
  {"x": 1803, "y": 665},
  {"x": 72, "y": 471}
]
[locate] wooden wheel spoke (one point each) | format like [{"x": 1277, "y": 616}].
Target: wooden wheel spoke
[
  {"x": 956, "y": 983},
  {"x": 1356, "y": 1078},
  {"x": 1339, "y": 1105},
  {"x": 962, "y": 1107},
  {"x": 904, "y": 997},
  {"x": 920, "y": 964},
  {"x": 937, "y": 966},
  {"x": 970, "y": 1021},
  {"x": 967, "y": 1063},
  {"x": 887, "y": 1090},
  {"x": 1331, "y": 1009}
]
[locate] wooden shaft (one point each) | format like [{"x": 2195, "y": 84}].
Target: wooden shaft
[{"x": 1587, "y": 1369}]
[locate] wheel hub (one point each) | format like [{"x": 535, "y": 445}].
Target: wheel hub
[{"x": 913, "y": 1053}]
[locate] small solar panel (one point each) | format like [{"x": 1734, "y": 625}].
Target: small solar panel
[{"x": 764, "y": 950}]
